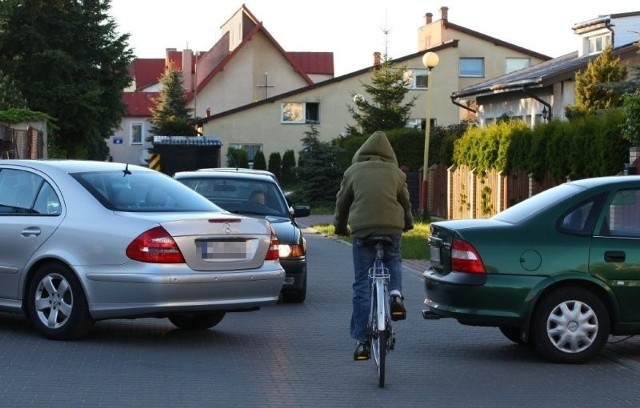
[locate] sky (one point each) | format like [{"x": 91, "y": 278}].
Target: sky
[{"x": 354, "y": 29}]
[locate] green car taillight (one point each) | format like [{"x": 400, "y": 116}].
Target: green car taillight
[{"x": 465, "y": 258}]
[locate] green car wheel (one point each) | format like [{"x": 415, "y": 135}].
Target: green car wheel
[{"x": 570, "y": 325}]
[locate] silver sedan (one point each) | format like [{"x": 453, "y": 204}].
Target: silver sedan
[{"x": 82, "y": 241}]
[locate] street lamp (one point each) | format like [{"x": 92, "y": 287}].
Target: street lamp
[{"x": 430, "y": 61}]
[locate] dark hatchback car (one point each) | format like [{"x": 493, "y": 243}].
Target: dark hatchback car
[
  {"x": 559, "y": 271},
  {"x": 257, "y": 194}
]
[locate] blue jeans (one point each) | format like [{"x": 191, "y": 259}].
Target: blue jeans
[{"x": 363, "y": 257}]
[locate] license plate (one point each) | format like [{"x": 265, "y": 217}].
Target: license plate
[
  {"x": 223, "y": 249},
  {"x": 434, "y": 255}
]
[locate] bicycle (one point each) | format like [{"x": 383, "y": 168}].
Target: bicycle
[{"x": 380, "y": 331}]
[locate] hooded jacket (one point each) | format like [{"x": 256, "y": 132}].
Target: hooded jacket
[{"x": 373, "y": 196}]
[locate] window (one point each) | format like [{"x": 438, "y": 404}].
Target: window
[
  {"x": 575, "y": 222},
  {"x": 471, "y": 67},
  {"x": 300, "y": 112},
  {"x": 419, "y": 78},
  {"x": 136, "y": 133},
  {"x": 623, "y": 217},
  {"x": 24, "y": 193},
  {"x": 251, "y": 150},
  {"x": 598, "y": 43},
  {"x": 516, "y": 64}
]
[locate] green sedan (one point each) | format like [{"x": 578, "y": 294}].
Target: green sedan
[{"x": 559, "y": 271}]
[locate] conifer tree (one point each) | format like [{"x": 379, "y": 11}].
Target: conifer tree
[
  {"x": 596, "y": 87},
  {"x": 170, "y": 116},
  {"x": 69, "y": 62},
  {"x": 383, "y": 108},
  {"x": 259, "y": 161},
  {"x": 288, "y": 168},
  {"x": 275, "y": 165}
]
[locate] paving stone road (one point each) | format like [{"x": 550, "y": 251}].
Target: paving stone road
[{"x": 300, "y": 355}]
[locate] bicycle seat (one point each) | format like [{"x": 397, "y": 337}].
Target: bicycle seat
[{"x": 372, "y": 240}]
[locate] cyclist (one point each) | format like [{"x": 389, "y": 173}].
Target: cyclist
[{"x": 373, "y": 199}]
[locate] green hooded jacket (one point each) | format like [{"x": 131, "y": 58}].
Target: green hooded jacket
[{"x": 373, "y": 196}]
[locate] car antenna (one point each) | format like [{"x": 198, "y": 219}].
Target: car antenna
[{"x": 126, "y": 170}]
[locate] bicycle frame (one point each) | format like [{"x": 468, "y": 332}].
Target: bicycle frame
[{"x": 379, "y": 276}]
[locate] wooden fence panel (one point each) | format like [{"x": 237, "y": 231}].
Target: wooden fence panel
[
  {"x": 438, "y": 192},
  {"x": 472, "y": 196}
]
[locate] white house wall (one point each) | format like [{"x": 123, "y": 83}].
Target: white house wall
[
  {"x": 126, "y": 152},
  {"x": 262, "y": 125},
  {"x": 242, "y": 80}
]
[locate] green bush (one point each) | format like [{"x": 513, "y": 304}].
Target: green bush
[{"x": 589, "y": 146}]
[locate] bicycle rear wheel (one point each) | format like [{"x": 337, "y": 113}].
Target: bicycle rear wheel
[{"x": 380, "y": 338}]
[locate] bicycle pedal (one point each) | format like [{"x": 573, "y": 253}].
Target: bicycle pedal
[{"x": 398, "y": 316}]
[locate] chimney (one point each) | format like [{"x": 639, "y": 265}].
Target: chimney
[
  {"x": 444, "y": 13},
  {"x": 428, "y": 18},
  {"x": 376, "y": 58},
  {"x": 188, "y": 82}
]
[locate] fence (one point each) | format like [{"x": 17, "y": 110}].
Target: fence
[{"x": 459, "y": 192}]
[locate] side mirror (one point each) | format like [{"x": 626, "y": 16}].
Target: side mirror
[{"x": 301, "y": 211}]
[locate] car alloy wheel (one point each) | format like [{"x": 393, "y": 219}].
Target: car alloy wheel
[
  {"x": 570, "y": 325},
  {"x": 56, "y": 303}
]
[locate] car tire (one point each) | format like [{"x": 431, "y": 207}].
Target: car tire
[
  {"x": 56, "y": 303},
  {"x": 570, "y": 325},
  {"x": 513, "y": 334},
  {"x": 197, "y": 321},
  {"x": 297, "y": 296}
]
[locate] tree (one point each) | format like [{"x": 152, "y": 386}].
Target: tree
[
  {"x": 259, "y": 162},
  {"x": 597, "y": 87},
  {"x": 275, "y": 165},
  {"x": 385, "y": 110},
  {"x": 69, "y": 62},
  {"x": 10, "y": 95},
  {"x": 631, "y": 108},
  {"x": 319, "y": 174},
  {"x": 170, "y": 116},
  {"x": 288, "y": 168}
]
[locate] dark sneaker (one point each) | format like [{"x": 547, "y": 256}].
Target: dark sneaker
[
  {"x": 363, "y": 351},
  {"x": 398, "y": 312}
]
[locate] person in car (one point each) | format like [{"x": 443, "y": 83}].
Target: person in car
[{"x": 257, "y": 197}]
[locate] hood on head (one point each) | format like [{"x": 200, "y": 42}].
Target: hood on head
[{"x": 376, "y": 147}]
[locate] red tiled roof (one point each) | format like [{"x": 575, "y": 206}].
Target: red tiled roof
[
  {"x": 314, "y": 62},
  {"x": 147, "y": 72},
  {"x": 139, "y": 103}
]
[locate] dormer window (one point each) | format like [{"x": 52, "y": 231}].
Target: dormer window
[{"x": 597, "y": 44}]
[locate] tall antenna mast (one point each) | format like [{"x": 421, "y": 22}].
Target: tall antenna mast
[{"x": 386, "y": 30}]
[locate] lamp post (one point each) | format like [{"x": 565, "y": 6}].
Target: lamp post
[{"x": 430, "y": 61}]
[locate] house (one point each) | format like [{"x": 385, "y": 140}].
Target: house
[
  {"x": 277, "y": 123},
  {"x": 244, "y": 66},
  {"x": 542, "y": 91},
  {"x": 534, "y": 94}
]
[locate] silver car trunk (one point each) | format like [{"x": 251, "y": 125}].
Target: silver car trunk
[{"x": 221, "y": 242}]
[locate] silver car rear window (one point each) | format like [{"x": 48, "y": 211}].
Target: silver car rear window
[{"x": 142, "y": 192}]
